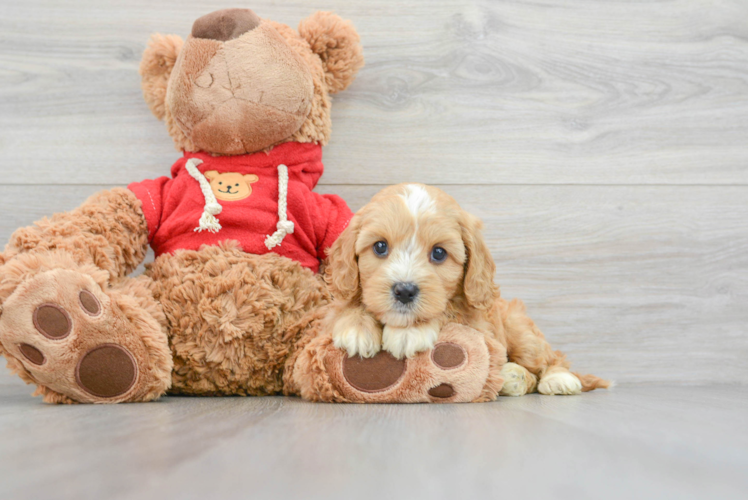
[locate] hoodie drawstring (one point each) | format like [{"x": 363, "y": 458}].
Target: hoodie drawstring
[
  {"x": 284, "y": 225},
  {"x": 208, "y": 221}
]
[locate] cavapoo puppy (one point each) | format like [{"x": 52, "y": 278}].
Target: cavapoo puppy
[{"x": 412, "y": 261}]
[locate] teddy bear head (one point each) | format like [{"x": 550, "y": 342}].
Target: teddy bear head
[{"x": 240, "y": 84}]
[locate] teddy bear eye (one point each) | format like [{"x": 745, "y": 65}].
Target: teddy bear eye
[
  {"x": 237, "y": 184},
  {"x": 220, "y": 183}
]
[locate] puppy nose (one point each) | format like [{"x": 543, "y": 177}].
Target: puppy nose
[
  {"x": 405, "y": 292},
  {"x": 224, "y": 25}
]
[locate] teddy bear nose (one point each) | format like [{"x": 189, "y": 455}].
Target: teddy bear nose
[{"x": 224, "y": 25}]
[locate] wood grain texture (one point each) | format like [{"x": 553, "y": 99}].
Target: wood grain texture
[
  {"x": 602, "y": 142},
  {"x": 633, "y": 442},
  {"x": 548, "y": 92},
  {"x": 638, "y": 284}
]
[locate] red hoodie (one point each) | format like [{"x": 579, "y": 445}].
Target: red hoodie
[{"x": 247, "y": 189}]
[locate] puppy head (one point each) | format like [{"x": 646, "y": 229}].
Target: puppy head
[{"x": 408, "y": 253}]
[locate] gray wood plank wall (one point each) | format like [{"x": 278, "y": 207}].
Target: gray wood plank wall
[{"x": 604, "y": 143}]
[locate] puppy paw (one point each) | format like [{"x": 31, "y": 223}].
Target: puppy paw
[
  {"x": 409, "y": 341},
  {"x": 358, "y": 335},
  {"x": 559, "y": 382},
  {"x": 517, "y": 380}
]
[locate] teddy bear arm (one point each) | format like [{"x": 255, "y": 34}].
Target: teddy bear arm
[{"x": 108, "y": 230}]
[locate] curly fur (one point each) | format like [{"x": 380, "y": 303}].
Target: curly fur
[
  {"x": 213, "y": 321},
  {"x": 24, "y": 268},
  {"x": 234, "y": 317},
  {"x": 337, "y": 44},
  {"x": 155, "y": 69},
  {"x": 319, "y": 374},
  {"x": 132, "y": 319},
  {"x": 318, "y": 125},
  {"x": 341, "y": 272},
  {"x": 359, "y": 279},
  {"x": 108, "y": 231},
  {"x": 329, "y": 45}
]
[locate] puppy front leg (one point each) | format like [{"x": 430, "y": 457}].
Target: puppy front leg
[
  {"x": 357, "y": 332},
  {"x": 406, "y": 342}
]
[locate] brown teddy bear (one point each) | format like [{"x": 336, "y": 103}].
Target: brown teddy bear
[{"x": 234, "y": 294}]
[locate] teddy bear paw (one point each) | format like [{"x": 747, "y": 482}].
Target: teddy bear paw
[
  {"x": 454, "y": 371},
  {"x": 71, "y": 338}
]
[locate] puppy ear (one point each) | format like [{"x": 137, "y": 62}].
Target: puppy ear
[
  {"x": 479, "y": 287},
  {"x": 337, "y": 43},
  {"x": 211, "y": 174},
  {"x": 155, "y": 68},
  {"x": 341, "y": 272}
]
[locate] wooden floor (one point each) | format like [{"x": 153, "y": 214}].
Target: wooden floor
[
  {"x": 635, "y": 442},
  {"x": 603, "y": 142}
]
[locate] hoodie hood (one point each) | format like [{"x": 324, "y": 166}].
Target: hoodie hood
[{"x": 303, "y": 160}]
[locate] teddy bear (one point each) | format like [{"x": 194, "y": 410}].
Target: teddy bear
[{"x": 234, "y": 296}]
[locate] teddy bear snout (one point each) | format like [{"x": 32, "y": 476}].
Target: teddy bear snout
[{"x": 224, "y": 25}]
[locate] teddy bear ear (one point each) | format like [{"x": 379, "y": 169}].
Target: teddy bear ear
[
  {"x": 211, "y": 174},
  {"x": 155, "y": 67},
  {"x": 337, "y": 43},
  {"x": 250, "y": 178}
]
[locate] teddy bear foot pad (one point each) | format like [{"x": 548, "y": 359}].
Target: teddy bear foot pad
[
  {"x": 73, "y": 339},
  {"x": 383, "y": 371},
  {"x": 454, "y": 371}
]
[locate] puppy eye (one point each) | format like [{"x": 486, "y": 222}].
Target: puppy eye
[
  {"x": 381, "y": 249},
  {"x": 438, "y": 255}
]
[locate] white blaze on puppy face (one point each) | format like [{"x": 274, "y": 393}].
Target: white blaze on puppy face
[
  {"x": 406, "y": 261},
  {"x": 411, "y": 219},
  {"x": 418, "y": 200},
  {"x": 404, "y": 264}
]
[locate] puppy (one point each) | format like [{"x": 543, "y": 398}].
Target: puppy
[{"x": 412, "y": 261}]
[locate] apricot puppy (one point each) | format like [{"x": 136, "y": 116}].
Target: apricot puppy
[{"x": 412, "y": 261}]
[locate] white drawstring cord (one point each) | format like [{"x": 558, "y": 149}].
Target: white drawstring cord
[
  {"x": 208, "y": 221},
  {"x": 284, "y": 225}
]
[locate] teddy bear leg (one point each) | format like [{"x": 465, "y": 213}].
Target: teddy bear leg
[
  {"x": 85, "y": 341},
  {"x": 464, "y": 366}
]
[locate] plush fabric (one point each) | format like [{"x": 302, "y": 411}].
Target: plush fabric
[
  {"x": 320, "y": 373},
  {"x": 129, "y": 317},
  {"x": 234, "y": 318},
  {"x": 216, "y": 313},
  {"x": 89, "y": 235}
]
